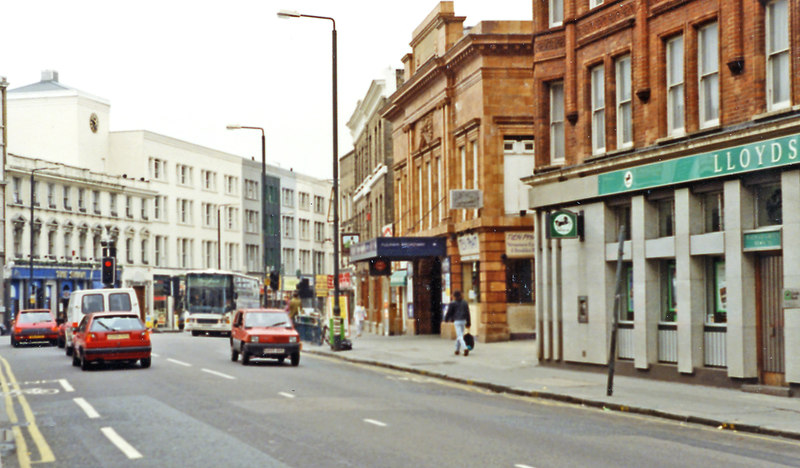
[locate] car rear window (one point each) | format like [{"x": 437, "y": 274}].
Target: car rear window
[
  {"x": 92, "y": 303},
  {"x": 119, "y": 302},
  {"x": 116, "y": 324},
  {"x": 34, "y": 317},
  {"x": 266, "y": 319}
]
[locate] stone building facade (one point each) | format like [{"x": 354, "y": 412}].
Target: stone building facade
[
  {"x": 463, "y": 120},
  {"x": 680, "y": 122}
]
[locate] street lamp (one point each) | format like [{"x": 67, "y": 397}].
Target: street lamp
[
  {"x": 219, "y": 234},
  {"x": 263, "y": 195},
  {"x": 337, "y": 313},
  {"x": 31, "y": 298}
]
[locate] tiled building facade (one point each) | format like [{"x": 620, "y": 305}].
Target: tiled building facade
[{"x": 680, "y": 122}]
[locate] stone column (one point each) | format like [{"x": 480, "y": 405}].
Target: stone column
[
  {"x": 689, "y": 272},
  {"x": 646, "y": 286},
  {"x": 790, "y": 191}
]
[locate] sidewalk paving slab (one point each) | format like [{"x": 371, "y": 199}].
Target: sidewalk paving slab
[{"x": 512, "y": 367}]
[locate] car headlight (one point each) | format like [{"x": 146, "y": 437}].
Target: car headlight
[
  {"x": 292, "y": 339},
  {"x": 254, "y": 339}
]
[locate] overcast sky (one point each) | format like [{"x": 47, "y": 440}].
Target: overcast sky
[{"x": 187, "y": 68}]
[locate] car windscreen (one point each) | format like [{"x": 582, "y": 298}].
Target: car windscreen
[
  {"x": 266, "y": 319},
  {"x": 119, "y": 302},
  {"x": 35, "y": 317},
  {"x": 112, "y": 323}
]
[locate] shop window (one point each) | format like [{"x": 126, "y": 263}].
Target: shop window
[
  {"x": 625, "y": 311},
  {"x": 669, "y": 301},
  {"x": 713, "y": 211},
  {"x": 518, "y": 281},
  {"x": 717, "y": 300},
  {"x": 769, "y": 206},
  {"x": 470, "y": 281},
  {"x": 666, "y": 218},
  {"x": 622, "y": 218}
]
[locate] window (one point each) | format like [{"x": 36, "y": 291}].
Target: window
[
  {"x": 232, "y": 214},
  {"x": 624, "y": 103},
  {"x": 669, "y": 301},
  {"x": 160, "y": 208},
  {"x": 67, "y": 245},
  {"x": 129, "y": 249},
  {"x": 777, "y": 49},
  {"x": 319, "y": 205},
  {"x": 82, "y": 200},
  {"x": 626, "y": 296},
  {"x": 185, "y": 247},
  {"x": 96, "y": 201},
  {"x": 51, "y": 195},
  {"x": 17, "y": 183},
  {"x": 253, "y": 257},
  {"x": 675, "y": 86},
  {"x": 769, "y": 205},
  {"x": 231, "y": 185},
  {"x": 184, "y": 175},
  {"x": 287, "y": 198},
  {"x": 35, "y": 193},
  {"x": 556, "y": 12},
  {"x": 51, "y": 243},
  {"x": 305, "y": 228},
  {"x": 67, "y": 203},
  {"x": 231, "y": 256},
  {"x": 251, "y": 189},
  {"x": 161, "y": 251},
  {"x": 18, "y": 240},
  {"x": 112, "y": 202},
  {"x": 557, "y": 123},
  {"x": 319, "y": 232},
  {"x": 708, "y": 74},
  {"x": 287, "y": 227},
  {"x": 305, "y": 261},
  {"x": 287, "y": 258},
  {"x": 595, "y": 3},
  {"x": 717, "y": 300},
  {"x": 622, "y": 218},
  {"x": 598, "y": 110},
  {"x": 470, "y": 281},
  {"x": 713, "y": 211},
  {"x": 144, "y": 209},
  {"x": 319, "y": 263},
  {"x": 158, "y": 169},
  {"x": 209, "y": 215},
  {"x": 518, "y": 281},
  {"x": 666, "y": 218},
  {"x": 209, "y": 180},
  {"x": 145, "y": 253},
  {"x": 209, "y": 254},
  {"x": 251, "y": 221},
  {"x": 305, "y": 201}
]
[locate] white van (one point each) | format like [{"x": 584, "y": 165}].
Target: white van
[{"x": 86, "y": 301}]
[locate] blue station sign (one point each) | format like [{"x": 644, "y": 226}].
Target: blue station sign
[{"x": 399, "y": 248}]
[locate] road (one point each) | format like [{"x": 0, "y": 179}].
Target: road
[{"x": 194, "y": 407}]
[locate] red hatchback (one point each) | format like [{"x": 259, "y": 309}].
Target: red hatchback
[
  {"x": 110, "y": 336},
  {"x": 34, "y": 325},
  {"x": 264, "y": 333}
]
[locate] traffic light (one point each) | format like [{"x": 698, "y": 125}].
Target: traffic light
[
  {"x": 109, "y": 271},
  {"x": 274, "y": 280},
  {"x": 304, "y": 289}
]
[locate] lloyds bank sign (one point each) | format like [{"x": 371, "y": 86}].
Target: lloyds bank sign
[{"x": 764, "y": 154}]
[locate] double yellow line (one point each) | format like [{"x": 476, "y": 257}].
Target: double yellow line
[{"x": 9, "y": 384}]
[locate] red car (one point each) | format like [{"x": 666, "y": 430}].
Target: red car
[
  {"x": 34, "y": 325},
  {"x": 110, "y": 336},
  {"x": 264, "y": 333}
]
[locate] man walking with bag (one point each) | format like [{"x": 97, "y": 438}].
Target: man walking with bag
[{"x": 458, "y": 313}]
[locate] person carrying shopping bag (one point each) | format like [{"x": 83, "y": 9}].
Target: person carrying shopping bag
[{"x": 458, "y": 313}]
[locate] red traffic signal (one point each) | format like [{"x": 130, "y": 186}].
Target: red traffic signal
[{"x": 109, "y": 271}]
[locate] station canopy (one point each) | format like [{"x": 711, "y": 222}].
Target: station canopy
[{"x": 398, "y": 248}]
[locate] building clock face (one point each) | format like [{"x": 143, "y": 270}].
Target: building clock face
[{"x": 94, "y": 123}]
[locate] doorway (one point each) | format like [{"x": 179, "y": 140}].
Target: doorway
[
  {"x": 428, "y": 296},
  {"x": 769, "y": 320}
]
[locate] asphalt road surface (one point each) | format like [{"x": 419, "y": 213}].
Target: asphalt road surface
[{"x": 196, "y": 408}]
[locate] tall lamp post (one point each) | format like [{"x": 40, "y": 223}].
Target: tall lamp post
[
  {"x": 263, "y": 198},
  {"x": 337, "y": 313},
  {"x": 219, "y": 233},
  {"x": 31, "y": 297}
]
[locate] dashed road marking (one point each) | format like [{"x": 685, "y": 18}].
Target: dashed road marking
[
  {"x": 180, "y": 363},
  {"x": 374, "y": 422},
  {"x": 219, "y": 374},
  {"x": 154, "y": 355},
  {"x": 87, "y": 408},
  {"x": 121, "y": 443},
  {"x": 65, "y": 385},
  {"x": 287, "y": 395},
  {"x": 519, "y": 465}
]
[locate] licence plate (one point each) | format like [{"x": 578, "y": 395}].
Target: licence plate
[
  {"x": 118, "y": 336},
  {"x": 273, "y": 351},
  {"x": 36, "y": 337}
]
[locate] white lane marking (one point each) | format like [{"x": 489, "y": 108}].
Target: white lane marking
[
  {"x": 519, "y": 465},
  {"x": 154, "y": 355},
  {"x": 87, "y": 408},
  {"x": 65, "y": 385},
  {"x": 121, "y": 443},
  {"x": 219, "y": 374},
  {"x": 287, "y": 395},
  {"x": 377, "y": 423},
  {"x": 180, "y": 363}
]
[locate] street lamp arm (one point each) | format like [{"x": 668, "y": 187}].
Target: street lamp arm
[{"x": 286, "y": 14}]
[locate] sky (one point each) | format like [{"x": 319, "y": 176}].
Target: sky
[{"x": 187, "y": 69}]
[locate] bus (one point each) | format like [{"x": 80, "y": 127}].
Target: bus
[{"x": 213, "y": 295}]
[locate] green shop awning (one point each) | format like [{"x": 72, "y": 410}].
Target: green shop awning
[{"x": 398, "y": 278}]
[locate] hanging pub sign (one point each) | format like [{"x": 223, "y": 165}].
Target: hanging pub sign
[
  {"x": 564, "y": 224},
  {"x": 380, "y": 267}
]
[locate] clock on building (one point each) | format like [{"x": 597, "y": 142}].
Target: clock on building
[{"x": 94, "y": 122}]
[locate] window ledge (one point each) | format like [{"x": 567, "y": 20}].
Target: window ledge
[
  {"x": 668, "y": 140},
  {"x": 776, "y": 113}
]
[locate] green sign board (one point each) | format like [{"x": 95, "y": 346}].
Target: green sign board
[
  {"x": 562, "y": 224},
  {"x": 745, "y": 158},
  {"x": 765, "y": 240}
]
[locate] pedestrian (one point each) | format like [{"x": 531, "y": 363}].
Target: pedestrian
[
  {"x": 458, "y": 313},
  {"x": 294, "y": 306},
  {"x": 359, "y": 315}
]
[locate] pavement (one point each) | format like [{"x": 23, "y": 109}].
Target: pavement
[{"x": 511, "y": 367}]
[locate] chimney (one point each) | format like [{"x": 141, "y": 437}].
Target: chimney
[{"x": 50, "y": 75}]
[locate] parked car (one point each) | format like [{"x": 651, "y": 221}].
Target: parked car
[
  {"x": 110, "y": 336},
  {"x": 87, "y": 301},
  {"x": 264, "y": 333},
  {"x": 34, "y": 325}
]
